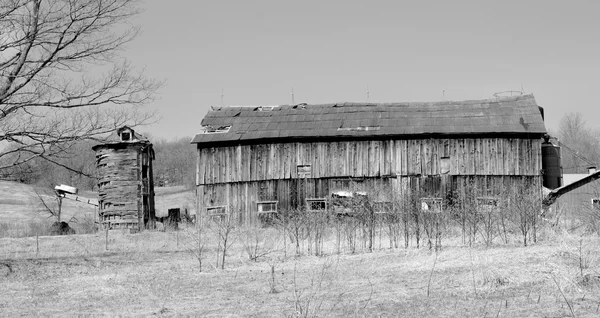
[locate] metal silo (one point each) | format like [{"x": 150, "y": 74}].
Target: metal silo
[{"x": 551, "y": 165}]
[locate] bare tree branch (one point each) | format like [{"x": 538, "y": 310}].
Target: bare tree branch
[{"x": 61, "y": 77}]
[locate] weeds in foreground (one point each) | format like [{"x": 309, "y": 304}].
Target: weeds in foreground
[
  {"x": 309, "y": 300},
  {"x": 258, "y": 242}
]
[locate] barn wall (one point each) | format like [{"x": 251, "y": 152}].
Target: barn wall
[
  {"x": 429, "y": 157},
  {"x": 241, "y": 198},
  {"x": 575, "y": 207}
]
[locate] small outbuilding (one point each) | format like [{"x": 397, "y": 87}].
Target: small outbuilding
[
  {"x": 577, "y": 203},
  {"x": 125, "y": 182}
]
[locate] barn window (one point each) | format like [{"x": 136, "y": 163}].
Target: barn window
[
  {"x": 431, "y": 205},
  {"x": 216, "y": 213},
  {"x": 316, "y": 205},
  {"x": 444, "y": 165},
  {"x": 304, "y": 171},
  {"x": 267, "y": 206},
  {"x": 341, "y": 202},
  {"x": 346, "y": 202},
  {"x": 488, "y": 204},
  {"x": 125, "y": 136},
  {"x": 596, "y": 203}
]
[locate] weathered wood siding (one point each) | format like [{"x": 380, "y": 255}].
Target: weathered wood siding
[
  {"x": 280, "y": 161},
  {"x": 241, "y": 198},
  {"x": 238, "y": 177},
  {"x": 125, "y": 197}
]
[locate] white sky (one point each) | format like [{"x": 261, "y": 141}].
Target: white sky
[{"x": 330, "y": 51}]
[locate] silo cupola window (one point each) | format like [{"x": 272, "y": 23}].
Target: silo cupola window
[{"x": 125, "y": 136}]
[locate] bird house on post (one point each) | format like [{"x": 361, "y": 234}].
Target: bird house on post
[{"x": 125, "y": 182}]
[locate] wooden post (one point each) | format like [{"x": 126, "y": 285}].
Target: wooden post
[
  {"x": 59, "y": 206},
  {"x": 106, "y": 239}
]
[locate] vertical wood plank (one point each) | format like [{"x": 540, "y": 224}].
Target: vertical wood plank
[
  {"x": 201, "y": 166},
  {"x": 462, "y": 157},
  {"x": 293, "y": 162},
  {"x": 418, "y": 151},
  {"x": 404, "y": 156},
  {"x": 371, "y": 158},
  {"x": 427, "y": 154},
  {"x": 471, "y": 156},
  {"x": 502, "y": 157},
  {"x": 346, "y": 168},
  {"x": 377, "y": 171},
  {"x": 453, "y": 156},
  {"x": 359, "y": 158},
  {"x": 511, "y": 156}
]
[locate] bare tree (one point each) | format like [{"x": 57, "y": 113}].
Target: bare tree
[
  {"x": 580, "y": 143},
  {"x": 61, "y": 78},
  {"x": 174, "y": 161}
]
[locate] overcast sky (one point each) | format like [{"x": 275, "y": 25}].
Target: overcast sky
[{"x": 256, "y": 52}]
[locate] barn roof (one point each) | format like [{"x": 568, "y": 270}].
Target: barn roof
[{"x": 518, "y": 115}]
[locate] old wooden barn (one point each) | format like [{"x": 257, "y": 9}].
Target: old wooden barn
[{"x": 256, "y": 160}]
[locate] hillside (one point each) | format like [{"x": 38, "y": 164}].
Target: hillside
[{"x": 20, "y": 203}]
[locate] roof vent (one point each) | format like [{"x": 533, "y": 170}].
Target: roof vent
[
  {"x": 301, "y": 105},
  {"x": 214, "y": 130},
  {"x": 265, "y": 108}
]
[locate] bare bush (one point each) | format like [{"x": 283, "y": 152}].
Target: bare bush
[
  {"x": 258, "y": 242},
  {"x": 223, "y": 227},
  {"x": 525, "y": 208}
]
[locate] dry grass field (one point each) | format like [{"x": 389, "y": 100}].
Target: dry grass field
[
  {"x": 156, "y": 273},
  {"x": 21, "y": 203}
]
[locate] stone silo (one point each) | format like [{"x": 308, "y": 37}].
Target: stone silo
[{"x": 125, "y": 183}]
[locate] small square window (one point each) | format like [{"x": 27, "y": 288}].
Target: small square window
[
  {"x": 488, "y": 204},
  {"x": 125, "y": 136},
  {"x": 267, "y": 206},
  {"x": 316, "y": 205},
  {"x": 596, "y": 203},
  {"x": 304, "y": 171},
  {"x": 433, "y": 205},
  {"x": 216, "y": 213},
  {"x": 444, "y": 165}
]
